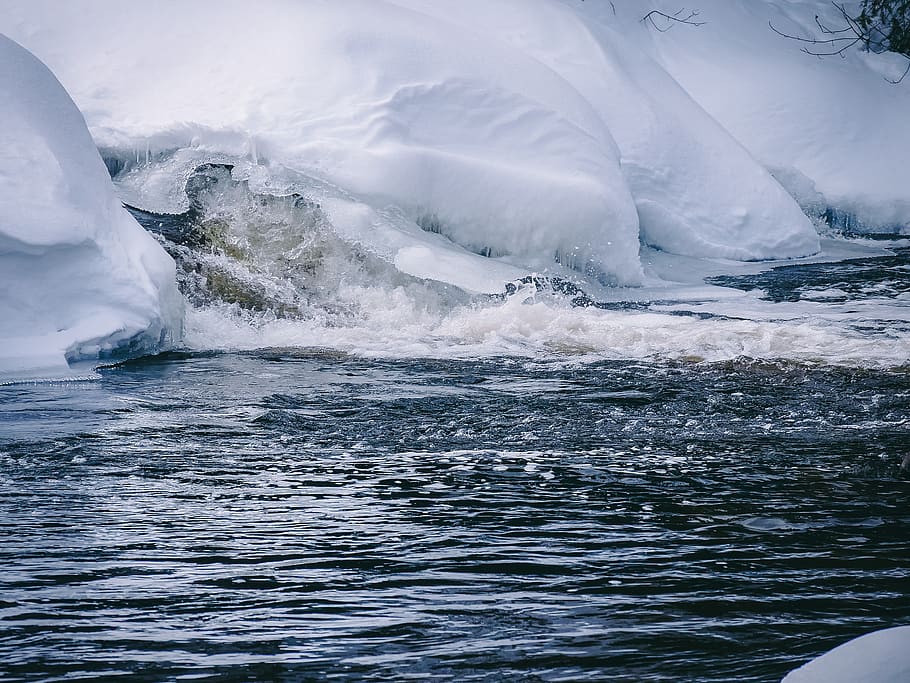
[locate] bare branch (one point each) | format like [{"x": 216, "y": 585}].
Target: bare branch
[
  {"x": 850, "y": 41},
  {"x": 840, "y": 40},
  {"x": 671, "y": 18},
  {"x": 830, "y": 31}
]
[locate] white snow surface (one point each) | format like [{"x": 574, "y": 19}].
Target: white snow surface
[
  {"x": 697, "y": 191},
  {"x": 832, "y": 129},
  {"x": 877, "y": 657},
  {"x": 526, "y": 130},
  {"x": 79, "y": 278}
]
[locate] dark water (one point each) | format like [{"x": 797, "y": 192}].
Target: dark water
[
  {"x": 303, "y": 516},
  {"x": 855, "y": 280}
]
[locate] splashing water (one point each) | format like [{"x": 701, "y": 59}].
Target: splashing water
[{"x": 264, "y": 263}]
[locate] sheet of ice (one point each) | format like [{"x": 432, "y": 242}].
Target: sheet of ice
[
  {"x": 881, "y": 656},
  {"x": 79, "y": 278},
  {"x": 833, "y": 130}
]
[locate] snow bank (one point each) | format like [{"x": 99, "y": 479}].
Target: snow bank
[
  {"x": 832, "y": 129},
  {"x": 387, "y": 103},
  {"x": 881, "y": 656},
  {"x": 526, "y": 131},
  {"x": 79, "y": 278},
  {"x": 697, "y": 190}
]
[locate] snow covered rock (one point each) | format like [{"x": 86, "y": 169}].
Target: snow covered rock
[
  {"x": 833, "y": 130},
  {"x": 529, "y": 132},
  {"x": 460, "y": 132},
  {"x": 79, "y": 278},
  {"x": 878, "y": 657},
  {"x": 697, "y": 190}
]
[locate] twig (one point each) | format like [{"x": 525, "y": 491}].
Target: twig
[
  {"x": 902, "y": 77},
  {"x": 839, "y": 44},
  {"x": 670, "y": 18}
]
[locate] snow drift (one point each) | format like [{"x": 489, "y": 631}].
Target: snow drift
[
  {"x": 833, "y": 130},
  {"x": 698, "y": 192},
  {"x": 523, "y": 132},
  {"x": 880, "y": 656},
  {"x": 79, "y": 277}
]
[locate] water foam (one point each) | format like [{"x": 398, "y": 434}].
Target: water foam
[
  {"x": 270, "y": 260},
  {"x": 395, "y": 325}
]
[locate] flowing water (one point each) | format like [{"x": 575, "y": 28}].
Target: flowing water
[
  {"x": 293, "y": 515},
  {"x": 338, "y": 480}
]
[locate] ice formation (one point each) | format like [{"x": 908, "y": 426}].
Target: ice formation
[
  {"x": 79, "y": 278},
  {"x": 880, "y": 656}
]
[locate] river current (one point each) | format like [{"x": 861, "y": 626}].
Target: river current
[{"x": 300, "y": 514}]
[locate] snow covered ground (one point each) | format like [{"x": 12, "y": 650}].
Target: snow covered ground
[
  {"x": 505, "y": 122},
  {"x": 879, "y": 657},
  {"x": 79, "y": 278},
  {"x": 832, "y": 130},
  {"x": 468, "y": 144}
]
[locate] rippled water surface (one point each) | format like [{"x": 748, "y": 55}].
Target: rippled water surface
[{"x": 293, "y": 515}]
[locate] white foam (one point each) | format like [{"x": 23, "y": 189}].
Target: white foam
[{"x": 392, "y": 324}]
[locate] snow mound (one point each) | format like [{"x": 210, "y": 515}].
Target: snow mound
[
  {"x": 527, "y": 133},
  {"x": 80, "y": 279},
  {"x": 831, "y": 129},
  {"x": 697, "y": 190},
  {"x": 881, "y": 656}
]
